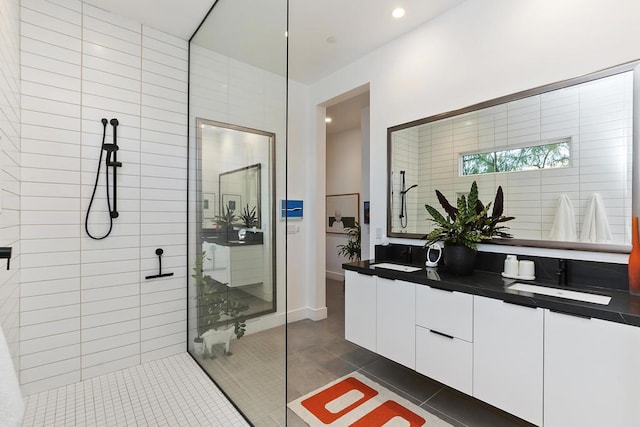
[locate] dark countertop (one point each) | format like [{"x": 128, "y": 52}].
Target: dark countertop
[
  {"x": 623, "y": 308},
  {"x": 231, "y": 243}
]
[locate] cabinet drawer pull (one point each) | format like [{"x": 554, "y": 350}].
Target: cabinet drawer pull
[
  {"x": 442, "y": 289},
  {"x": 520, "y": 304},
  {"x": 440, "y": 333},
  {"x": 582, "y": 316}
]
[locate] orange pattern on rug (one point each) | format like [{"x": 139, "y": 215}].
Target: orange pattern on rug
[{"x": 356, "y": 401}]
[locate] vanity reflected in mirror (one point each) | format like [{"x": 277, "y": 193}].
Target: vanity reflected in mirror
[
  {"x": 237, "y": 212},
  {"x": 562, "y": 154}
]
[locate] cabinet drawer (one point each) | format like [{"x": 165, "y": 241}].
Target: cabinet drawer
[
  {"x": 448, "y": 312},
  {"x": 445, "y": 359}
]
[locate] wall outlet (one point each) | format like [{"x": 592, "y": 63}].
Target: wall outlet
[{"x": 378, "y": 232}]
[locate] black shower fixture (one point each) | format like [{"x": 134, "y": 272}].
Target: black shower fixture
[
  {"x": 111, "y": 161},
  {"x": 403, "y": 200}
]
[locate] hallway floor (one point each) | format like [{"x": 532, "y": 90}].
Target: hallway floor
[
  {"x": 169, "y": 392},
  {"x": 318, "y": 354}
]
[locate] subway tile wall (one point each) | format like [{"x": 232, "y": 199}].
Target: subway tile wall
[
  {"x": 86, "y": 308},
  {"x": 597, "y": 116},
  {"x": 10, "y": 173},
  {"x": 405, "y": 158}
]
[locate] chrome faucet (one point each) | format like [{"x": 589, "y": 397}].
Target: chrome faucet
[{"x": 561, "y": 272}]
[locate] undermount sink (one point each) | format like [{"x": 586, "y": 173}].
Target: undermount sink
[
  {"x": 397, "y": 267},
  {"x": 561, "y": 293}
]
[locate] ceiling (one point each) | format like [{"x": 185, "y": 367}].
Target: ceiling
[
  {"x": 324, "y": 36},
  {"x": 356, "y": 26}
]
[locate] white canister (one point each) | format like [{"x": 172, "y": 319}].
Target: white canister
[
  {"x": 511, "y": 266},
  {"x": 526, "y": 270}
]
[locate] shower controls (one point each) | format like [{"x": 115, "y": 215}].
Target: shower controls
[{"x": 159, "y": 252}]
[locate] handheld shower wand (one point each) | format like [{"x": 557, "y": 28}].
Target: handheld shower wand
[
  {"x": 403, "y": 200},
  {"x": 112, "y": 150}
]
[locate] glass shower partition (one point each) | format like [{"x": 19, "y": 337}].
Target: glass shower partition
[{"x": 236, "y": 244}]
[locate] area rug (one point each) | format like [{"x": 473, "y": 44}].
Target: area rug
[{"x": 356, "y": 401}]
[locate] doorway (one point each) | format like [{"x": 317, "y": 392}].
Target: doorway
[{"x": 347, "y": 178}]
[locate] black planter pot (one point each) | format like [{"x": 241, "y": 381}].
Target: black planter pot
[{"x": 459, "y": 260}]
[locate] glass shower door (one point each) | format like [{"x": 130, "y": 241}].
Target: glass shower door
[{"x": 237, "y": 124}]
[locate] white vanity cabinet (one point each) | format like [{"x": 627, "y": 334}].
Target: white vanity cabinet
[
  {"x": 444, "y": 335},
  {"x": 360, "y": 296},
  {"x": 551, "y": 369},
  {"x": 591, "y": 372},
  {"x": 396, "y": 321},
  {"x": 508, "y": 357},
  {"x": 233, "y": 266}
]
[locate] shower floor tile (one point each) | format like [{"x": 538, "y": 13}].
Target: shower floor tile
[{"x": 172, "y": 392}]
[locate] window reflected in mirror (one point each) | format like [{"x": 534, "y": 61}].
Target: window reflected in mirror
[{"x": 543, "y": 156}]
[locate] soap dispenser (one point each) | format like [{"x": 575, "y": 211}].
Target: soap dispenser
[{"x": 511, "y": 266}]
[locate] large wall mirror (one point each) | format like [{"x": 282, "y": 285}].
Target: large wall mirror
[
  {"x": 237, "y": 215},
  {"x": 562, "y": 154}
]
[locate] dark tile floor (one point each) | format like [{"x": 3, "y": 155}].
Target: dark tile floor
[{"x": 317, "y": 353}]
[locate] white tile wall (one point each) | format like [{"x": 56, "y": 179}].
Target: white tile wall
[
  {"x": 87, "y": 308},
  {"x": 597, "y": 118},
  {"x": 10, "y": 173}
]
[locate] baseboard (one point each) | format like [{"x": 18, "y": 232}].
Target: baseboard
[
  {"x": 317, "y": 313},
  {"x": 298, "y": 314},
  {"x": 333, "y": 275},
  {"x": 306, "y": 313},
  {"x": 265, "y": 322}
]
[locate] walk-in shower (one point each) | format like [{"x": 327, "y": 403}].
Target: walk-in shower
[{"x": 236, "y": 243}]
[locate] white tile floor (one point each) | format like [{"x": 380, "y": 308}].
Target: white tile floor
[{"x": 167, "y": 392}]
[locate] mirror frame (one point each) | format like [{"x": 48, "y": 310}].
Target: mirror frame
[
  {"x": 272, "y": 170},
  {"x": 256, "y": 166},
  {"x": 594, "y": 247}
]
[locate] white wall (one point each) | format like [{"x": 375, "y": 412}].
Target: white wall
[
  {"x": 344, "y": 153},
  {"x": 10, "y": 172},
  {"x": 478, "y": 51},
  {"x": 86, "y": 308},
  {"x": 300, "y": 240},
  {"x": 364, "y": 182}
]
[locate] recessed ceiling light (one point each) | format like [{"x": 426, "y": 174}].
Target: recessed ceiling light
[
  {"x": 327, "y": 119},
  {"x": 331, "y": 40},
  {"x": 398, "y": 12}
]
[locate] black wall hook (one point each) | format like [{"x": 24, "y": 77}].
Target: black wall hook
[{"x": 159, "y": 252}]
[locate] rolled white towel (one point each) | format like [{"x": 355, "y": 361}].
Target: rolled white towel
[
  {"x": 11, "y": 403},
  {"x": 564, "y": 223},
  {"x": 595, "y": 227}
]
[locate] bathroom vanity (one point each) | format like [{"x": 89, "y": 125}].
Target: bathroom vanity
[
  {"x": 548, "y": 360},
  {"x": 234, "y": 263}
]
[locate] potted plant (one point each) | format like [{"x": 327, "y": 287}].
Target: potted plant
[
  {"x": 248, "y": 217},
  {"x": 226, "y": 221},
  {"x": 219, "y": 313},
  {"x": 465, "y": 226},
  {"x": 352, "y": 249}
]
